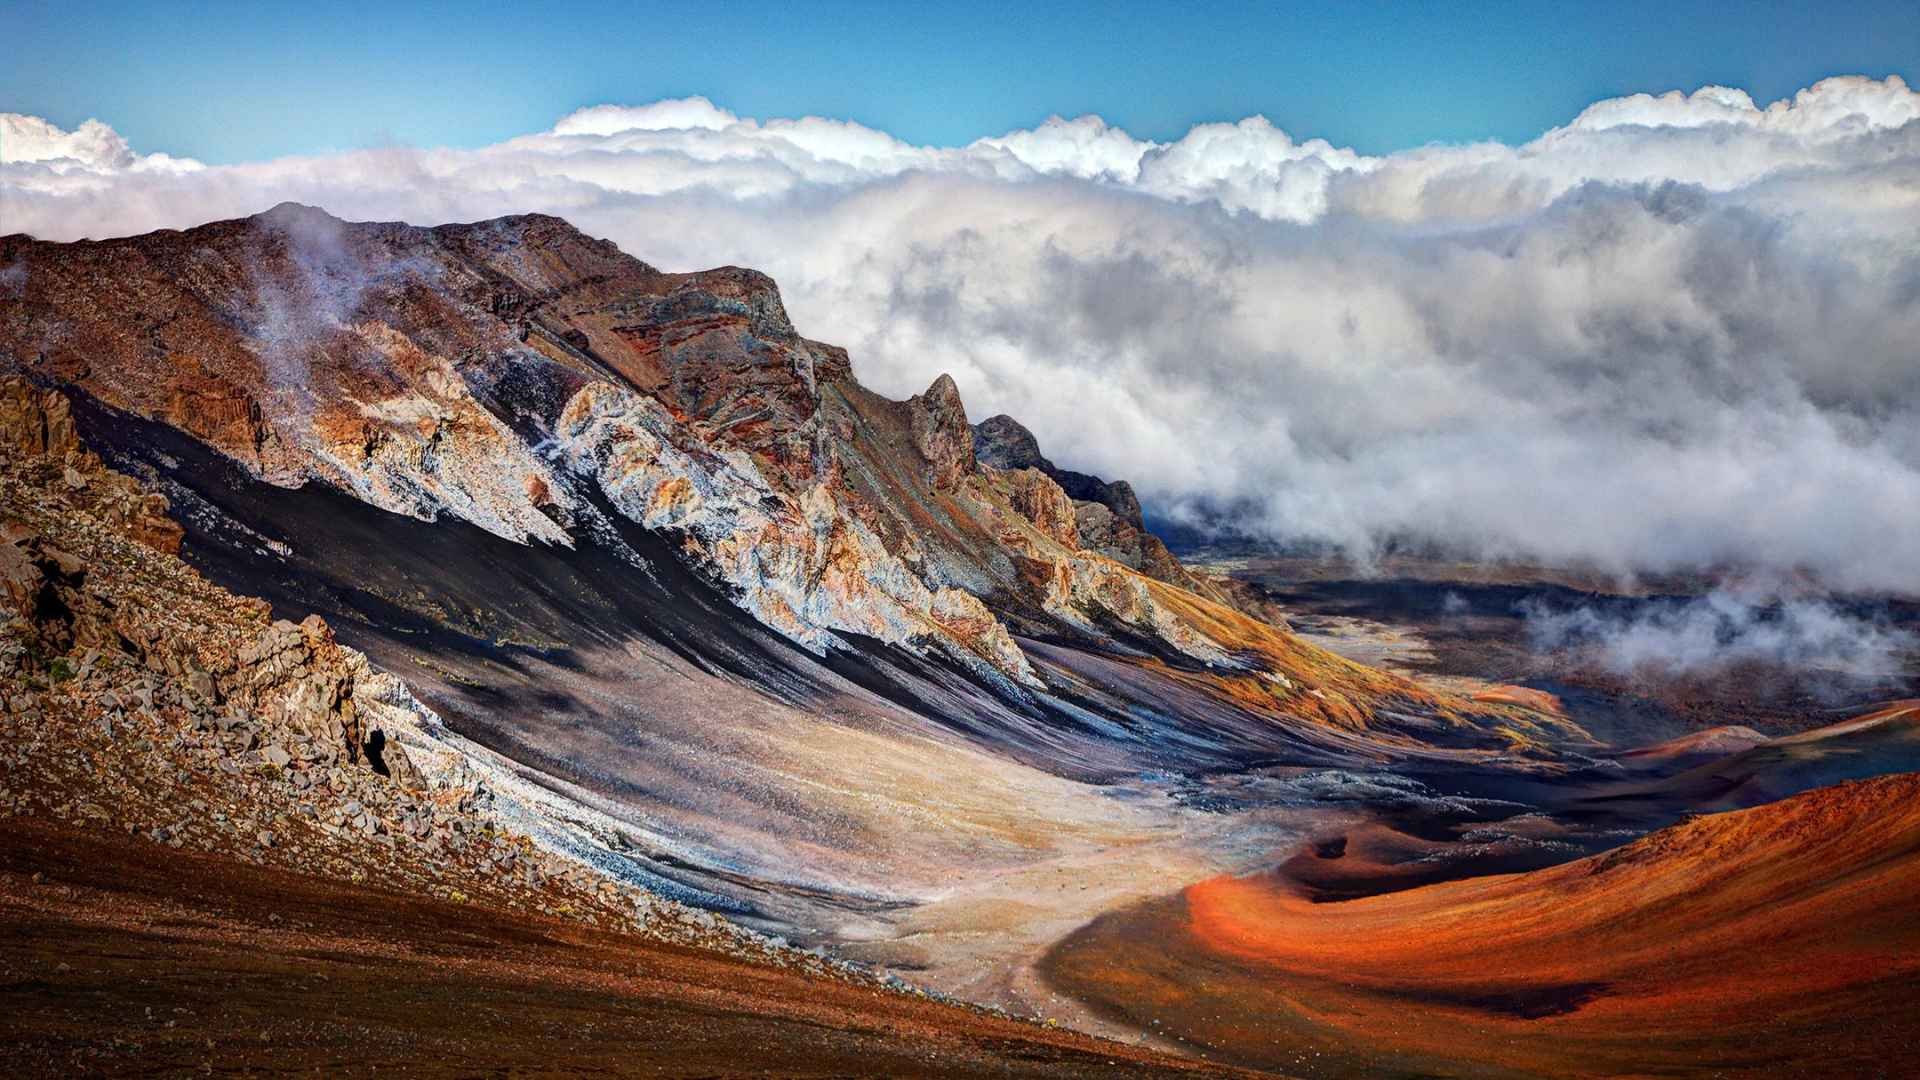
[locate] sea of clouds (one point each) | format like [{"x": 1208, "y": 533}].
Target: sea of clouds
[{"x": 1680, "y": 331}]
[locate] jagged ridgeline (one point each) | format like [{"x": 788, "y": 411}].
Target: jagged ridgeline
[{"x": 633, "y": 532}]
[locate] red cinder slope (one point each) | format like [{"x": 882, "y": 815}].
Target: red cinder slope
[{"x": 1781, "y": 940}]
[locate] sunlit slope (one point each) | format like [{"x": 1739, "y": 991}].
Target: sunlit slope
[{"x": 1745, "y": 943}]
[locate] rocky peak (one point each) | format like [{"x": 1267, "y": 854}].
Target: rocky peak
[
  {"x": 941, "y": 433},
  {"x": 1005, "y": 443},
  {"x": 1118, "y": 496},
  {"x": 293, "y": 215},
  {"x": 1097, "y": 515}
]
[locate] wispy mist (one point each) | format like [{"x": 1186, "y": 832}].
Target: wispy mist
[{"x": 1710, "y": 634}]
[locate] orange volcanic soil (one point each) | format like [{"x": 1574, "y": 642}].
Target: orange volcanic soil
[
  {"x": 1782, "y": 940},
  {"x": 1523, "y": 696}
]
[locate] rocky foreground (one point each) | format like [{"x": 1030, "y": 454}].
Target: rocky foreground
[{"x": 124, "y": 957}]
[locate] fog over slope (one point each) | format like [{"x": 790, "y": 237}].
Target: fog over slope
[{"x": 1679, "y": 331}]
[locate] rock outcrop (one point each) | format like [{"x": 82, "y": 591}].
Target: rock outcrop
[
  {"x": 63, "y": 603},
  {"x": 36, "y": 427},
  {"x": 1107, "y": 519},
  {"x": 1036, "y": 495},
  {"x": 801, "y": 563},
  {"x": 1005, "y": 443},
  {"x": 941, "y": 433}
]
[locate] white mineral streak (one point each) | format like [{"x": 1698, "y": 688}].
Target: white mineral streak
[
  {"x": 798, "y": 564},
  {"x": 432, "y": 449}
]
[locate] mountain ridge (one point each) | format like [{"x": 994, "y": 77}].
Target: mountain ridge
[{"x": 474, "y": 370}]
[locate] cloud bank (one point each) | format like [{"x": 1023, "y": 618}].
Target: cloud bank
[{"x": 1678, "y": 332}]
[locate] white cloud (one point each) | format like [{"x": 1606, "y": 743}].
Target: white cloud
[
  {"x": 1251, "y": 166},
  {"x": 93, "y": 147},
  {"x": 1676, "y": 332},
  {"x": 1830, "y": 109},
  {"x": 683, "y": 114},
  {"x": 1086, "y": 147}
]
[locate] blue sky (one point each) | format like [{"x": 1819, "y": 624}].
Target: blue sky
[{"x": 244, "y": 81}]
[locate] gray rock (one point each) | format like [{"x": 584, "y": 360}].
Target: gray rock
[{"x": 200, "y": 684}]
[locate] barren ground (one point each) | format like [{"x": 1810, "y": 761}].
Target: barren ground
[{"x": 124, "y": 957}]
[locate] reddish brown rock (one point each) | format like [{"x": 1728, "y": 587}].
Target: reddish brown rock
[
  {"x": 941, "y": 433},
  {"x": 35, "y": 422},
  {"x": 1041, "y": 500},
  {"x": 37, "y": 431}
]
